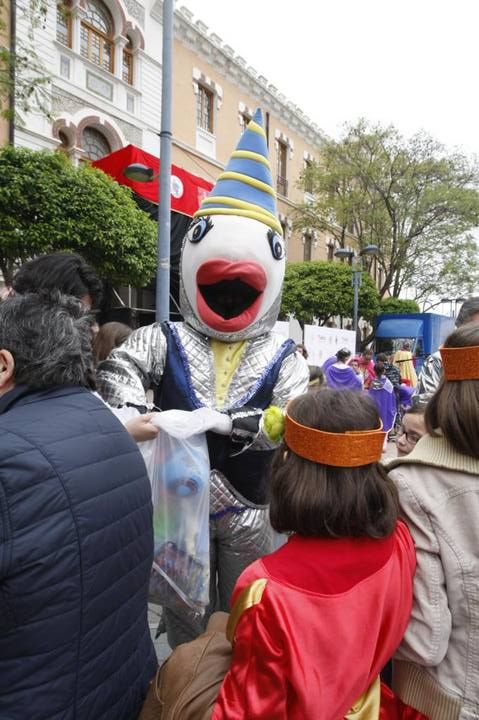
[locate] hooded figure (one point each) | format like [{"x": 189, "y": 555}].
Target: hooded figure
[{"x": 223, "y": 356}]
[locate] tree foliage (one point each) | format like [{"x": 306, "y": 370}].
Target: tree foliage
[
  {"x": 321, "y": 290},
  {"x": 411, "y": 198},
  {"x": 398, "y": 305},
  {"x": 22, "y": 72},
  {"x": 47, "y": 204}
]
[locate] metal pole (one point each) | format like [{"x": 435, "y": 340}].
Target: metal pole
[
  {"x": 356, "y": 285},
  {"x": 12, "y": 75},
  {"x": 164, "y": 212}
]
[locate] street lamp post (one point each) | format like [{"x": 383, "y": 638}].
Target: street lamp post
[
  {"x": 141, "y": 173},
  {"x": 452, "y": 308},
  {"x": 356, "y": 261}
]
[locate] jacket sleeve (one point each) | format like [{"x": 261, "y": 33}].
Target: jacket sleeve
[
  {"x": 427, "y": 635},
  {"x": 130, "y": 370},
  {"x": 254, "y": 688},
  {"x": 293, "y": 380},
  {"x": 5, "y": 537},
  {"x": 430, "y": 376}
]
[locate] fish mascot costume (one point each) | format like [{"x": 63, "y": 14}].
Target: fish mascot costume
[{"x": 224, "y": 355}]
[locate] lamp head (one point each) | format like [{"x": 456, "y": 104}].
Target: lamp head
[
  {"x": 344, "y": 253},
  {"x": 139, "y": 173},
  {"x": 369, "y": 250}
]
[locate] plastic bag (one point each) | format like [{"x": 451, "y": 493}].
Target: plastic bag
[{"x": 179, "y": 474}]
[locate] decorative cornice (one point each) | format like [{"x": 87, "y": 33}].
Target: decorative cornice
[{"x": 211, "y": 48}]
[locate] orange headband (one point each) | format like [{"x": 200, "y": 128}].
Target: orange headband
[
  {"x": 349, "y": 449},
  {"x": 460, "y": 363}
]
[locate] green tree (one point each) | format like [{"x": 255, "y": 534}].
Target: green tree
[
  {"x": 47, "y": 204},
  {"x": 23, "y": 75},
  {"x": 321, "y": 290},
  {"x": 411, "y": 198},
  {"x": 398, "y": 305}
]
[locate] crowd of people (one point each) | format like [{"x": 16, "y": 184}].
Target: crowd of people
[
  {"x": 76, "y": 544},
  {"x": 326, "y": 566}
]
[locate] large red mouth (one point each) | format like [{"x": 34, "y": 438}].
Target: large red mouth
[{"x": 229, "y": 293}]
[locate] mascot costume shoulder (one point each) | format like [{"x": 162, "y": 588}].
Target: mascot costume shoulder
[{"x": 225, "y": 356}]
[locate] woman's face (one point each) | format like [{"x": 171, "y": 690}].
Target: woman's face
[
  {"x": 412, "y": 429},
  {"x": 355, "y": 366}
]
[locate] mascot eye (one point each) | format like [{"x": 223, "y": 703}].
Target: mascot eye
[
  {"x": 199, "y": 229},
  {"x": 276, "y": 244}
]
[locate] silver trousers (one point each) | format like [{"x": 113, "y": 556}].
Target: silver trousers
[{"x": 240, "y": 533}]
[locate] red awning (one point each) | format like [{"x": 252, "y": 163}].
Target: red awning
[{"x": 187, "y": 190}]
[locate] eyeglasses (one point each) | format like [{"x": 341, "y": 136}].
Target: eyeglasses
[{"x": 411, "y": 438}]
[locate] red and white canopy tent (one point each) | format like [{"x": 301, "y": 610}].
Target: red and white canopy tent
[{"x": 187, "y": 192}]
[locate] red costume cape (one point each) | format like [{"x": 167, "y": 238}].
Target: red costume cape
[{"x": 314, "y": 623}]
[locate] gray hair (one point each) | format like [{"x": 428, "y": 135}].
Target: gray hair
[
  {"x": 49, "y": 336},
  {"x": 469, "y": 308}
]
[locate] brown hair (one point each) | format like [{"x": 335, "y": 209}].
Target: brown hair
[
  {"x": 324, "y": 501},
  {"x": 454, "y": 408},
  {"x": 109, "y": 337}
]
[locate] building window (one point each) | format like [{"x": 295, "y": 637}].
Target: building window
[
  {"x": 308, "y": 245},
  {"x": 97, "y": 35},
  {"x": 330, "y": 247},
  {"x": 282, "y": 160},
  {"x": 130, "y": 103},
  {"x": 95, "y": 144},
  {"x": 245, "y": 119},
  {"x": 308, "y": 178},
  {"x": 127, "y": 67},
  {"x": 64, "y": 25},
  {"x": 204, "y": 109}
]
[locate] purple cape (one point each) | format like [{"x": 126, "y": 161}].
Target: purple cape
[
  {"x": 382, "y": 392},
  {"x": 343, "y": 378},
  {"x": 327, "y": 363}
]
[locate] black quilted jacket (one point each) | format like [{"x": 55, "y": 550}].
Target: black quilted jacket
[{"x": 76, "y": 545}]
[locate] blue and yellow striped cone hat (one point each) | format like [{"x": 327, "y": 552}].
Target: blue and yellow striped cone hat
[{"x": 245, "y": 187}]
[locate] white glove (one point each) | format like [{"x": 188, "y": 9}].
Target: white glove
[{"x": 183, "y": 423}]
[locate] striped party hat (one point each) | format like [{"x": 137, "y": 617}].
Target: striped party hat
[{"x": 246, "y": 186}]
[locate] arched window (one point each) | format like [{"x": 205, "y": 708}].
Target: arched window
[
  {"x": 95, "y": 144},
  {"x": 97, "y": 34},
  {"x": 127, "y": 70},
  {"x": 64, "y": 24}
]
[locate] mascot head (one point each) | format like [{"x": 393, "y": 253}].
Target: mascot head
[{"x": 233, "y": 257}]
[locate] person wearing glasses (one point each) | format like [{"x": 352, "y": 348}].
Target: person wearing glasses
[{"x": 411, "y": 430}]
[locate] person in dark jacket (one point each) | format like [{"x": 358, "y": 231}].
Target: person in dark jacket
[{"x": 76, "y": 536}]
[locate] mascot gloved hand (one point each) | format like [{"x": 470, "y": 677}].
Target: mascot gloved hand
[{"x": 224, "y": 355}]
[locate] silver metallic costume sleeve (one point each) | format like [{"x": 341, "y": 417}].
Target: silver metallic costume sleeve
[
  {"x": 292, "y": 381},
  {"x": 131, "y": 369},
  {"x": 430, "y": 376}
]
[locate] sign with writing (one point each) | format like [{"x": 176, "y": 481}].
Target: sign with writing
[{"x": 323, "y": 342}]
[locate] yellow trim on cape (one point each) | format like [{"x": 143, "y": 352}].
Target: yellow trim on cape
[
  {"x": 255, "y": 128},
  {"x": 265, "y": 219},
  {"x": 250, "y": 596},
  {"x": 368, "y": 705},
  {"x": 250, "y": 155},
  {"x": 240, "y": 177}
]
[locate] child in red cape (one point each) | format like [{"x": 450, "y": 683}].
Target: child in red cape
[{"x": 313, "y": 623}]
